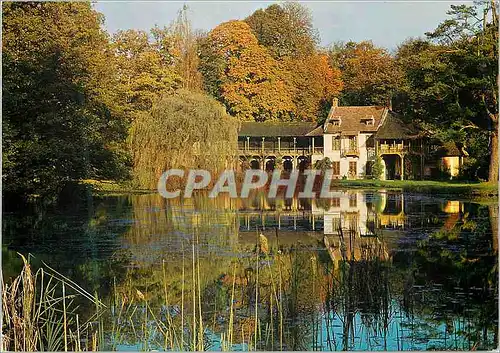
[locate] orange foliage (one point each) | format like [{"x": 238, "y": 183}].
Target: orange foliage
[
  {"x": 250, "y": 84},
  {"x": 316, "y": 83},
  {"x": 369, "y": 73},
  {"x": 253, "y": 85}
]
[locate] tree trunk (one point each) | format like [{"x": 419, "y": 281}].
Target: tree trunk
[{"x": 493, "y": 172}]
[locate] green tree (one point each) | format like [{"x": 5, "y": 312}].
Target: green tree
[
  {"x": 377, "y": 168},
  {"x": 452, "y": 80},
  {"x": 285, "y": 29},
  {"x": 62, "y": 115},
  {"x": 183, "y": 130},
  {"x": 323, "y": 164}
]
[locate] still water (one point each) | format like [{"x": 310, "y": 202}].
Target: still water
[{"x": 364, "y": 270}]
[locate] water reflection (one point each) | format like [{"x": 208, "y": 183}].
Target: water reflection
[{"x": 363, "y": 270}]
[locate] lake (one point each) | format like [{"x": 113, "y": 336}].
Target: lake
[{"x": 365, "y": 270}]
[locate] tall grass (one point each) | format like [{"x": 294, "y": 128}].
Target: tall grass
[{"x": 39, "y": 312}]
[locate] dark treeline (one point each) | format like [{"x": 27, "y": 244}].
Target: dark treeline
[{"x": 79, "y": 103}]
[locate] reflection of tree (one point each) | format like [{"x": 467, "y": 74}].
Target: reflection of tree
[
  {"x": 436, "y": 290},
  {"x": 359, "y": 288},
  {"x": 78, "y": 239},
  {"x": 454, "y": 283}
]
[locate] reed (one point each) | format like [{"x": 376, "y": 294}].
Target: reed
[
  {"x": 39, "y": 313},
  {"x": 200, "y": 321},
  {"x": 181, "y": 347},
  {"x": 257, "y": 292},
  {"x": 194, "y": 346},
  {"x": 231, "y": 312}
]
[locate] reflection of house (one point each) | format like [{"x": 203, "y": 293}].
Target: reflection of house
[
  {"x": 349, "y": 228},
  {"x": 453, "y": 207},
  {"x": 346, "y": 210},
  {"x": 454, "y": 210},
  {"x": 392, "y": 215}
]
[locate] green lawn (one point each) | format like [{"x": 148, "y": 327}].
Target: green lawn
[
  {"x": 481, "y": 190},
  {"x": 110, "y": 187},
  {"x": 426, "y": 186}
]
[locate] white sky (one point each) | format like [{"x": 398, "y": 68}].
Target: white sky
[{"x": 385, "y": 23}]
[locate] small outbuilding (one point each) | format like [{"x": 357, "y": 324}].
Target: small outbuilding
[{"x": 451, "y": 157}]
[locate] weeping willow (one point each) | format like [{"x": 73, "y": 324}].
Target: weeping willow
[{"x": 184, "y": 131}]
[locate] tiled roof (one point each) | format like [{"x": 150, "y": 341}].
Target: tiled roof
[
  {"x": 316, "y": 132},
  {"x": 394, "y": 128},
  {"x": 270, "y": 129},
  {"x": 451, "y": 149},
  {"x": 353, "y": 119}
]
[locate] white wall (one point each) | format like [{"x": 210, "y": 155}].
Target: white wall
[{"x": 344, "y": 161}]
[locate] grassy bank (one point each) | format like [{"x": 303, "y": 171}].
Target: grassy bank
[
  {"x": 462, "y": 188},
  {"x": 110, "y": 187},
  {"x": 481, "y": 189}
]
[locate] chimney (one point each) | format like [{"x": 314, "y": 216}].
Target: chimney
[
  {"x": 389, "y": 103},
  {"x": 335, "y": 102}
]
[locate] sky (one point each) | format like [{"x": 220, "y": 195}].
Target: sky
[{"x": 387, "y": 23}]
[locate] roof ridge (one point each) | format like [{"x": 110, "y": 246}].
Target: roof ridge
[
  {"x": 362, "y": 106},
  {"x": 278, "y": 122},
  {"x": 382, "y": 120}
]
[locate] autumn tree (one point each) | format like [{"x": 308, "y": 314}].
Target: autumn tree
[
  {"x": 185, "y": 49},
  {"x": 315, "y": 84},
  {"x": 242, "y": 75},
  {"x": 452, "y": 80},
  {"x": 146, "y": 66},
  {"x": 369, "y": 73},
  {"x": 285, "y": 29},
  {"x": 62, "y": 114}
]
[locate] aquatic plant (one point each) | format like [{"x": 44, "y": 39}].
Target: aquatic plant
[{"x": 40, "y": 313}]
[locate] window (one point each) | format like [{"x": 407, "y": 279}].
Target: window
[
  {"x": 353, "y": 200},
  {"x": 368, "y": 120},
  {"x": 352, "y": 168},
  {"x": 336, "y": 143},
  {"x": 336, "y": 168},
  {"x": 335, "y": 121},
  {"x": 336, "y": 224},
  {"x": 335, "y": 202},
  {"x": 353, "y": 145},
  {"x": 370, "y": 142}
]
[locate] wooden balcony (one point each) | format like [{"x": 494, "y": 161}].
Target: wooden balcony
[
  {"x": 392, "y": 149},
  {"x": 352, "y": 151},
  {"x": 283, "y": 151}
]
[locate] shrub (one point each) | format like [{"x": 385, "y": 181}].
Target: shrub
[
  {"x": 323, "y": 164},
  {"x": 377, "y": 168}
]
